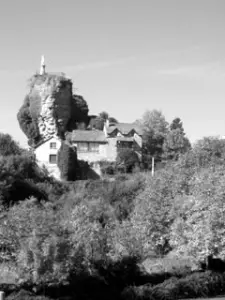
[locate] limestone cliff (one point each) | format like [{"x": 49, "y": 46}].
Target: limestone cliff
[
  {"x": 50, "y": 103},
  {"x": 47, "y": 107}
]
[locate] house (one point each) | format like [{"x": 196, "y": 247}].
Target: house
[
  {"x": 123, "y": 136},
  {"x": 46, "y": 154},
  {"x": 92, "y": 146}
]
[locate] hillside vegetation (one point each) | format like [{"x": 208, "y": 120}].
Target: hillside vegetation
[{"x": 138, "y": 237}]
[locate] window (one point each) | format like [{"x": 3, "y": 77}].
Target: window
[
  {"x": 82, "y": 147},
  {"x": 88, "y": 147},
  {"x": 125, "y": 145},
  {"x": 52, "y": 159},
  {"x": 53, "y": 145},
  {"x": 94, "y": 147}
]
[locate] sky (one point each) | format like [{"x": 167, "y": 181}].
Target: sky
[{"x": 124, "y": 57}]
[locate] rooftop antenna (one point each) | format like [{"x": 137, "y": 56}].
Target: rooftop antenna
[{"x": 42, "y": 69}]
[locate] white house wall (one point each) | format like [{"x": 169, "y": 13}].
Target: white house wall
[
  {"x": 42, "y": 155},
  {"x": 111, "y": 150}
]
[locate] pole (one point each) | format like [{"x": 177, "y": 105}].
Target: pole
[
  {"x": 2, "y": 295},
  {"x": 153, "y": 166}
]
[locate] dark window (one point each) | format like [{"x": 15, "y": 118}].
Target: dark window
[
  {"x": 124, "y": 145},
  {"x": 53, "y": 145},
  {"x": 52, "y": 158}
]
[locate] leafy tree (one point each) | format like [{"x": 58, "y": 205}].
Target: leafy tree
[
  {"x": 97, "y": 123},
  {"x": 27, "y": 123},
  {"x": 8, "y": 146},
  {"x": 38, "y": 242},
  {"x": 175, "y": 142},
  {"x": 176, "y": 124},
  {"x": 155, "y": 129},
  {"x": 199, "y": 228},
  {"x": 79, "y": 113},
  {"x": 127, "y": 159},
  {"x": 154, "y": 214},
  {"x": 104, "y": 115},
  {"x": 18, "y": 177},
  {"x": 209, "y": 151},
  {"x": 113, "y": 120}
]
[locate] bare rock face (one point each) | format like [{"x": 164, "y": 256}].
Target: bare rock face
[{"x": 50, "y": 104}]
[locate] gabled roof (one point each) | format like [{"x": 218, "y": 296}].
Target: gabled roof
[
  {"x": 125, "y": 128},
  {"x": 42, "y": 141},
  {"x": 88, "y": 136}
]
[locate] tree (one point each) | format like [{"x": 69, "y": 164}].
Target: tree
[
  {"x": 176, "y": 124},
  {"x": 175, "y": 142},
  {"x": 36, "y": 239},
  {"x": 104, "y": 115},
  {"x": 18, "y": 177},
  {"x": 113, "y": 120},
  {"x": 97, "y": 123},
  {"x": 79, "y": 113},
  {"x": 209, "y": 151},
  {"x": 8, "y": 146},
  {"x": 127, "y": 159},
  {"x": 155, "y": 129},
  {"x": 199, "y": 229},
  {"x": 27, "y": 123}
]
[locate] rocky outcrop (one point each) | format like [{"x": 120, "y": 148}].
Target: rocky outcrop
[
  {"x": 50, "y": 104},
  {"x": 47, "y": 108}
]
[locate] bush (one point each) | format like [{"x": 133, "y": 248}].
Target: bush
[
  {"x": 8, "y": 146},
  {"x": 107, "y": 168},
  {"x": 18, "y": 177},
  {"x": 127, "y": 160},
  {"x": 25, "y": 295},
  {"x": 193, "y": 286}
]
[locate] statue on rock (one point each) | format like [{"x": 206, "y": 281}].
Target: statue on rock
[
  {"x": 46, "y": 110},
  {"x": 42, "y": 69}
]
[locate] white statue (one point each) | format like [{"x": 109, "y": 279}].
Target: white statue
[{"x": 42, "y": 69}]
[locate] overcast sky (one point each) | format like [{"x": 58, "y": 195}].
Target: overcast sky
[{"x": 124, "y": 56}]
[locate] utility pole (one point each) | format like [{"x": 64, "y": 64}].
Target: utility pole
[{"x": 153, "y": 166}]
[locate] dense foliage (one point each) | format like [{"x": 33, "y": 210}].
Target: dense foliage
[
  {"x": 127, "y": 160},
  {"x": 79, "y": 113},
  {"x": 67, "y": 162},
  {"x": 28, "y": 125},
  {"x": 127, "y": 235}
]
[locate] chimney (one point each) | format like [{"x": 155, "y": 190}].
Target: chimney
[{"x": 107, "y": 123}]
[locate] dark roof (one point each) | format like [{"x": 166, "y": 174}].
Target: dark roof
[
  {"x": 41, "y": 142},
  {"x": 125, "y": 128},
  {"x": 88, "y": 136}
]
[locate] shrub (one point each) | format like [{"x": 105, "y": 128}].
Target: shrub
[
  {"x": 127, "y": 159},
  {"x": 107, "y": 168},
  {"x": 25, "y": 295},
  {"x": 18, "y": 177},
  {"x": 38, "y": 242},
  {"x": 28, "y": 125},
  {"x": 193, "y": 286},
  {"x": 8, "y": 146}
]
